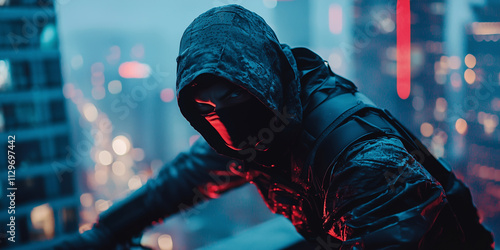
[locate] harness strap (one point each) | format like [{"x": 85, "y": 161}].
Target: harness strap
[
  {"x": 367, "y": 125},
  {"x": 326, "y": 117},
  {"x": 338, "y": 122}
]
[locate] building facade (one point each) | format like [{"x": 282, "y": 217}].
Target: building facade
[{"x": 32, "y": 110}]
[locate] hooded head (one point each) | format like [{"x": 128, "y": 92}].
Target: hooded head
[{"x": 233, "y": 46}]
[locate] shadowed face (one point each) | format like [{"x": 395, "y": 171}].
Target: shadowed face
[
  {"x": 233, "y": 112},
  {"x": 218, "y": 95}
]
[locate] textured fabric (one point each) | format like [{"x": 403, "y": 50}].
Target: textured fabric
[
  {"x": 378, "y": 197},
  {"x": 237, "y": 44},
  {"x": 381, "y": 197}
]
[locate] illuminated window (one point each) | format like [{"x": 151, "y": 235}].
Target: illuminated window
[
  {"x": 5, "y": 81},
  {"x": 4, "y": 2},
  {"x": 42, "y": 222}
]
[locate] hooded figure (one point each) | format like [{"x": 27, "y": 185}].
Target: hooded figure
[
  {"x": 319, "y": 152},
  {"x": 237, "y": 46}
]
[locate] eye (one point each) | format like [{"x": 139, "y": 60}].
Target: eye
[{"x": 236, "y": 93}]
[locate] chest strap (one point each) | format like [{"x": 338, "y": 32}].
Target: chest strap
[
  {"x": 341, "y": 121},
  {"x": 326, "y": 117}
]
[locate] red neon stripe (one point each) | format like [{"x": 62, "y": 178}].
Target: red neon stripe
[{"x": 403, "y": 22}]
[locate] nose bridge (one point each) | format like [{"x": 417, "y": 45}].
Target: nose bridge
[
  {"x": 217, "y": 95},
  {"x": 215, "y": 100}
]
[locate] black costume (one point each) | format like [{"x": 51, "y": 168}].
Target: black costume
[{"x": 343, "y": 173}]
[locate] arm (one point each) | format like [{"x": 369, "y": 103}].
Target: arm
[
  {"x": 381, "y": 198},
  {"x": 175, "y": 188}
]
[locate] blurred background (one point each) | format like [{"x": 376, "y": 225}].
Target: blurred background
[{"x": 88, "y": 89}]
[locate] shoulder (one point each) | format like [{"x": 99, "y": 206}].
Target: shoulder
[{"x": 382, "y": 158}]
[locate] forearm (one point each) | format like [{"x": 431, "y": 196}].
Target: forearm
[{"x": 176, "y": 187}]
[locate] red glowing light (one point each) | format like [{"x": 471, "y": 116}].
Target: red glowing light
[
  {"x": 167, "y": 95},
  {"x": 403, "y": 23},
  {"x": 134, "y": 69},
  {"x": 214, "y": 120},
  {"x": 335, "y": 18}
]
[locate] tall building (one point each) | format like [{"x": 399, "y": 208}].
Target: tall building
[
  {"x": 374, "y": 49},
  {"x": 481, "y": 71},
  {"x": 32, "y": 110}
]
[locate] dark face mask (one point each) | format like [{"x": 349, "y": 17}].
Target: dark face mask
[{"x": 244, "y": 125}]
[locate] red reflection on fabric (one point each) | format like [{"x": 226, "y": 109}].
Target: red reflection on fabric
[{"x": 215, "y": 121}]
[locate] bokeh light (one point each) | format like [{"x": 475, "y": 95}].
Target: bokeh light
[
  {"x": 104, "y": 157},
  {"x": 134, "y": 182},
  {"x": 121, "y": 145},
  {"x": 165, "y": 242},
  {"x": 470, "y": 76},
  {"x": 98, "y": 92},
  {"x": 87, "y": 199},
  {"x": 426, "y": 129},
  {"x": 454, "y": 62},
  {"x": 42, "y": 217},
  {"x": 470, "y": 61},
  {"x": 118, "y": 168},
  {"x": 441, "y": 104},
  {"x": 102, "y": 205},
  {"x": 134, "y": 69},
  {"x": 90, "y": 112},
  {"x": 114, "y": 87},
  {"x": 167, "y": 95},
  {"x": 461, "y": 126}
]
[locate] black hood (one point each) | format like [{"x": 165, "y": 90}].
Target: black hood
[{"x": 237, "y": 44}]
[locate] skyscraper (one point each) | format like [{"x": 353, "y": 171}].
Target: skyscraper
[
  {"x": 32, "y": 111},
  {"x": 482, "y": 76},
  {"x": 375, "y": 52}
]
